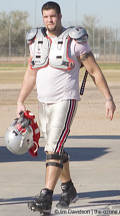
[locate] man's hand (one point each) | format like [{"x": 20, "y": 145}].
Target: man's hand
[
  {"x": 110, "y": 109},
  {"x": 20, "y": 107}
]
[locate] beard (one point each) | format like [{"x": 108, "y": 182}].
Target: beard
[{"x": 52, "y": 29}]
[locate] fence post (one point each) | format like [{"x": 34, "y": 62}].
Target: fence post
[
  {"x": 9, "y": 40},
  {"x": 25, "y": 48},
  {"x": 104, "y": 43}
]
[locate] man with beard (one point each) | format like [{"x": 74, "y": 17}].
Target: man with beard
[{"x": 56, "y": 54}]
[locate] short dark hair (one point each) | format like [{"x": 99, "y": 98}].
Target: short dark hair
[{"x": 51, "y": 5}]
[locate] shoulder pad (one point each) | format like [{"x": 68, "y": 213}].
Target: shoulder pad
[
  {"x": 79, "y": 34},
  {"x": 65, "y": 33},
  {"x": 31, "y": 34},
  {"x": 43, "y": 30}
]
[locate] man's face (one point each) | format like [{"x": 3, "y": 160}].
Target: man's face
[{"x": 51, "y": 19}]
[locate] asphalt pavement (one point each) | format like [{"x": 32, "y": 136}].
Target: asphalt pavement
[{"x": 95, "y": 171}]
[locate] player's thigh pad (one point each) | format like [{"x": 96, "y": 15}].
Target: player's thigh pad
[{"x": 56, "y": 122}]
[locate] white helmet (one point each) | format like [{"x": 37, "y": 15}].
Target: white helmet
[{"x": 19, "y": 136}]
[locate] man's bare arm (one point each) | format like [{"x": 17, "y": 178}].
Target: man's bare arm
[
  {"x": 27, "y": 86},
  {"x": 95, "y": 72}
]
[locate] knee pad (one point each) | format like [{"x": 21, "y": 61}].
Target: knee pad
[
  {"x": 63, "y": 158},
  {"x": 54, "y": 156}
]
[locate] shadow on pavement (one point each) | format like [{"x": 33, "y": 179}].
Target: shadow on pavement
[
  {"x": 85, "y": 195},
  {"x": 76, "y": 154},
  {"x": 100, "y": 194},
  {"x": 113, "y": 137}
]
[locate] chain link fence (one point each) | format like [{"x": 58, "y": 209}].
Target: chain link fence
[{"x": 105, "y": 45}]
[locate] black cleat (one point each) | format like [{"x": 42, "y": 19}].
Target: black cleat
[
  {"x": 43, "y": 203},
  {"x": 68, "y": 196}
]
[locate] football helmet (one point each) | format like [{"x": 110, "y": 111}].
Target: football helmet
[{"x": 23, "y": 135}]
